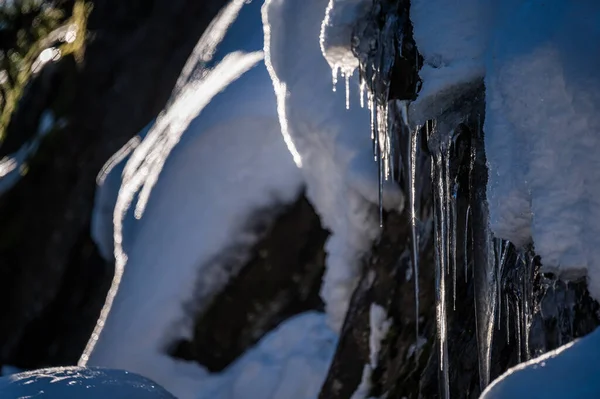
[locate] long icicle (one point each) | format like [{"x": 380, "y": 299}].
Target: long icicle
[
  {"x": 413, "y": 136},
  {"x": 484, "y": 262},
  {"x": 440, "y": 271}
]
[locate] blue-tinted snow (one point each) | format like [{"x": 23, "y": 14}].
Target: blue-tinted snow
[
  {"x": 569, "y": 372},
  {"x": 80, "y": 383}
]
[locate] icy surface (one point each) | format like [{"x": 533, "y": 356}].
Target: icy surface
[
  {"x": 330, "y": 143},
  {"x": 80, "y": 382},
  {"x": 542, "y": 126},
  {"x": 568, "y": 372}
]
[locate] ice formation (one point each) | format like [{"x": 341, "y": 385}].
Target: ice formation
[{"x": 330, "y": 143}]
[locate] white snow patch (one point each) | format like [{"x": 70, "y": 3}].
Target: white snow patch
[
  {"x": 336, "y": 34},
  {"x": 570, "y": 371},
  {"x": 289, "y": 363},
  {"x": 332, "y": 144},
  {"x": 379, "y": 326},
  {"x": 363, "y": 389},
  {"x": 452, "y": 37}
]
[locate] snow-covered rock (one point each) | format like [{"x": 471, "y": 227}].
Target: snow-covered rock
[
  {"x": 570, "y": 371},
  {"x": 208, "y": 163},
  {"x": 331, "y": 144},
  {"x": 291, "y": 362},
  {"x": 543, "y": 132}
]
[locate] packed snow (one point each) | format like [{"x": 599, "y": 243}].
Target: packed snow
[
  {"x": 289, "y": 363},
  {"x": 379, "y": 326},
  {"x": 242, "y": 135},
  {"x": 80, "y": 382},
  {"x": 187, "y": 192},
  {"x": 542, "y": 133},
  {"x": 570, "y": 371},
  {"x": 540, "y": 120},
  {"x": 329, "y": 142}
]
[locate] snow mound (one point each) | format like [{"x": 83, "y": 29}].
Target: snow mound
[
  {"x": 291, "y": 362},
  {"x": 570, "y": 371},
  {"x": 330, "y": 143},
  {"x": 542, "y": 123},
  {"x": 452, "y": 39},
  {"x": 80, "y": 382},
  {"x": 542, "y": 133},
  {"x": 210, "y": 162}
]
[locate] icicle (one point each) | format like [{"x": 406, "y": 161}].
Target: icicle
[
  {"x": 362, "y": 94},
  {"x": 518, "y": 324},
  {"x": 440, "y": 256},
  {"x": 484, "y": 262},
  {"x": 507, "y": 317},
  {"x": 334, "y": 76},
  {"x": 454, "y": 238},
  {"x": 347, "y": 80},
  {"x": 466, "y": 243},
  {"x": 412, "y": 157}
]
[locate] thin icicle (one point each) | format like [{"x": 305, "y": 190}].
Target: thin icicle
[
  {"x": 466, "y": 243},
  {"x": 413, "y": 136},
  {"x": 347, "y": 80},
  {"x": 518, "y": 324},
  {"x": 454, "y": 238},
  {"x": 440, "y": 291},
  {"x": 361, "y": 89},
  {"x": 334, "y": 77},
  {"x": 507, "y": 317},
  {"x": 484, "y": 262}
]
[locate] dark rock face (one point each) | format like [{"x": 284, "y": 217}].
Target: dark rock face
[
  {"x": 281, "y": 278},
  {"x": 135, "y": 54}
]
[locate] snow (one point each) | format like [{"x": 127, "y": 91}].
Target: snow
[
  {"x": 212, "y": 161},
  {"x": 108, "y": 183},
  {"x": 79, "y": 382},
  {"x": 452, "y": 39},
  {"x": 289, "y": 363},
  {"x": 331, "y": 144},
  {"x": 379, "y": 326},
  {"x": 541, "y": 122},
  {"x": 336, "y": 34},
  {"x": 542, "y": 133},
  {"x": 570, "y": 371}
]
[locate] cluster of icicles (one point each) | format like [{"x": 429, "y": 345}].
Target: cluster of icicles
[{"x": 502, "y": 274}]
